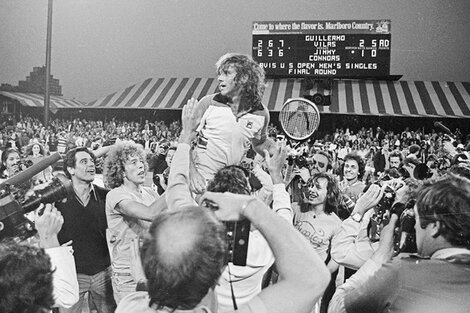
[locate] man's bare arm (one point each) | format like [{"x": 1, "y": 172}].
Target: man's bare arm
[{"x": 141, "y": 211}]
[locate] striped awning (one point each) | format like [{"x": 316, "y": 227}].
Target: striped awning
[
  {"x": 378, "y": 98},
  {"x": 37, "y": 100},
  {"x": 401, "y": 98}
]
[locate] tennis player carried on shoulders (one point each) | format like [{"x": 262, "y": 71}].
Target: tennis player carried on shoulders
[{"x": 231, "y": 121}]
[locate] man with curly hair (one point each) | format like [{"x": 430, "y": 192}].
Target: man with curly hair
[
  {"x": 232, "y": 120},
  {"x": 354, "y": 168},
  {"x": 130, "y": 207}
]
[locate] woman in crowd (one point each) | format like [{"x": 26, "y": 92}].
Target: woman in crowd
[
  {"x": 35, "y": 153},
  {"x": 316, "y": 219},
  {"x": 11, "y": 164},
  {"x": 130, "y": 207}
]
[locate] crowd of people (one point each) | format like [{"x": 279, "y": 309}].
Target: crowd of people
[
  {"x": 62, "y": 134},
  {"x": 364, "y": 220},
  {"x": 34, "y": 142}
]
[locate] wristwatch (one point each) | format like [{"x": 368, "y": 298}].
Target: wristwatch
[{"x": 357, "y": 217}]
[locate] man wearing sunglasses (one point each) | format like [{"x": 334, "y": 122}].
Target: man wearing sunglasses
[{"x": 320, "y": 163}]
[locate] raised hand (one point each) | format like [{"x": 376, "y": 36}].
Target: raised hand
[
  {"x": 191, "y": 116},
  {"x": 385, "y": 251},
  {"x": 369, "y": 199},
  {"x": 401, "y": 191},
  {"x": 229, "y": 206},
  {"x": 276, "y": 162},
  {"x": 48, "y": 226},
  {"x": 258, "y": 160}
]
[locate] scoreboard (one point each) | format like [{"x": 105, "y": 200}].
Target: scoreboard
[{"x": 347, "y": 49}]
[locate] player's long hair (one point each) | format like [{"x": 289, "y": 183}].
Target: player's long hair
[
  {"x": 250, "y": 76},
  {"x": 333, "y": 198}
]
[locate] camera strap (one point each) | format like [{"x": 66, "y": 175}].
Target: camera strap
[{"x": 234, "y": 301}]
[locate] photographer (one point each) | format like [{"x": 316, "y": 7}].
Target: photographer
[
  {"x": 65, "y": 281},
  {"x": 321, "y": 162},
  {"x": 436, "y": 281},
  {"x": 35, "y": 279},
  {"x": 242, "y": 283},
  {"x": 297, "y": 172},
  {"x": 15, "y": 261},
  {"x": 183, "y": 258},
  {"x": 352, "y": 245}
]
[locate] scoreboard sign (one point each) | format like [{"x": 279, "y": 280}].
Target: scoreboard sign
[{"x": 354, "y": 49}]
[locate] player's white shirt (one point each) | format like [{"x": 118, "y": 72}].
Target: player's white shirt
[{"x": 223, "y": 138}]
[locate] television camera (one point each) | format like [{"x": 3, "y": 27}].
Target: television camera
[{"x": 16, "y": 200}]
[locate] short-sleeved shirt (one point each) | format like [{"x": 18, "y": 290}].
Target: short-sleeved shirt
[
  {"x": 124, "y": 232},
  {"x": 318, "y": 229}
]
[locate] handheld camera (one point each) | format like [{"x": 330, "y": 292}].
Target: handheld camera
[{"x": 237, "y": 237}]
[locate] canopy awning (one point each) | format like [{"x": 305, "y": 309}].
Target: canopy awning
[
  {"x": 377, "y": 98},
  {"x": 37, "y": 100}
]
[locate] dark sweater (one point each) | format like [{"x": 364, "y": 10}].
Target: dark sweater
[{"x": 86, "y": 226}]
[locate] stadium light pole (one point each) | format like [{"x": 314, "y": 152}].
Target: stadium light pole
[{"x": 48, "y": 62}]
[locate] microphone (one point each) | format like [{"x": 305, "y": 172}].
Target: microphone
[
  {"x": 443, "y": 128},
  {"x": 31, "y": 171}
]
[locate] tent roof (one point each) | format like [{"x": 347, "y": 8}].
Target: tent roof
[
  {"x": 37, "y": 100},
  {"x": 377, "y": 98}
]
